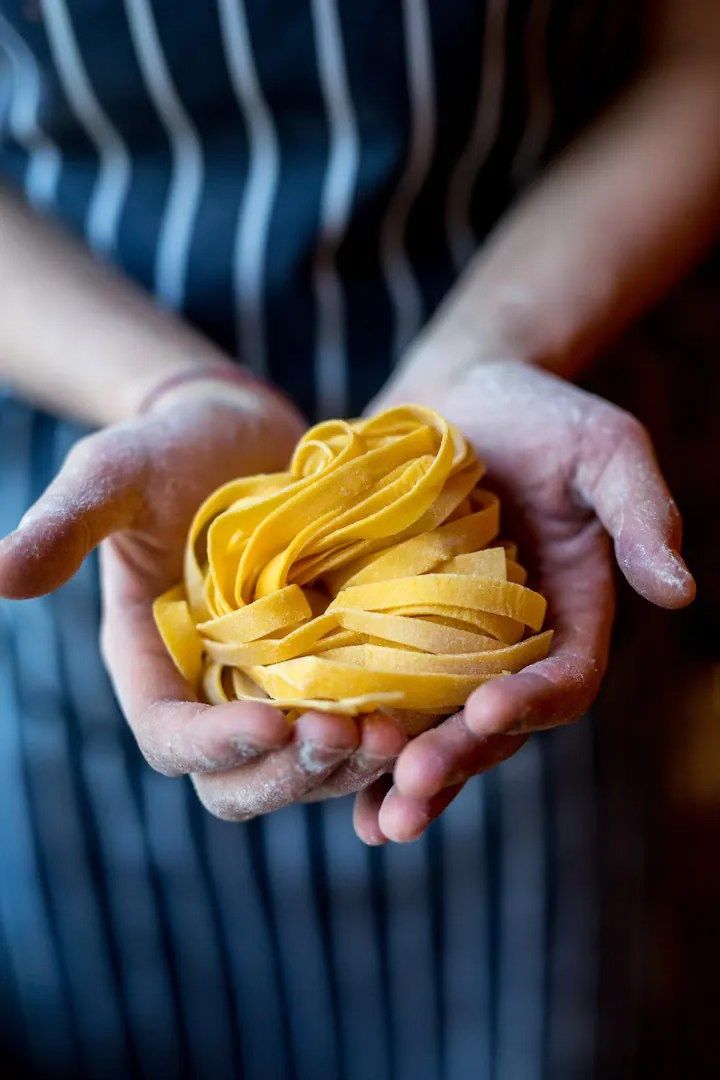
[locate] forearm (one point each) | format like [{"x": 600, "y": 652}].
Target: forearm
[
  {"x": 613, "y": 223},
  {"x": 75, "y": 336}
]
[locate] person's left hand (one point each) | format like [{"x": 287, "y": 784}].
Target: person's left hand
[{"x": 570, "y": 469}]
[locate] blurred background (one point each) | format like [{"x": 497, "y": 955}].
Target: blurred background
[
  {"x": 660, "y": 715},
  {"x": 657, "y": 723}
]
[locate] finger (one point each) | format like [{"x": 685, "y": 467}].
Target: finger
[
  {"x": 404, "y": 819},
  {"x": 447, "y": 755},
  {"x": 320, "y": 742},
  {"x": 176, "y": 733},
  {"x": 576, "y": 577},
  {"x": 367, "y": 809},
  {"x": 632, "y": 500},
  {"x": 95, "y": 493},
  {"x": 382, "y": 737},
  {"x": 554, "y": 691}
]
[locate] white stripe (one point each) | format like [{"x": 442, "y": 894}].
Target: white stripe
[
  {"x": 461, "y": 235},
  {"x": 259, "y": 194},
  {"x": 335, "y": 207},
  {"x": 113, "y": 175},
  {"x": 539, "y": 91},
  {"x": 404, "y": 291},
  {"x": 44, "y": 161},
  {"x": 187, "y": 164}
]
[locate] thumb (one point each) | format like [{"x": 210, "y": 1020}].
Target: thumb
[{"x": 97, "y": 491}]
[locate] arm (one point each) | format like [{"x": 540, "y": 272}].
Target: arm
[
  {"x": 75, "y": 336},
  {"x": 602, "y": 234},
  {"x": 79, "y": 339},
  {"x": 611, "y": 224}
]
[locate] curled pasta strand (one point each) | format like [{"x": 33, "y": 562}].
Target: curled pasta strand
[{"x": 369, "y": 575}]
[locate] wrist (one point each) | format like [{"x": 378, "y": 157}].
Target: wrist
[
  {"x": 222, "y": 397},
  {"x": 486, "y": 318},
  {"x": 445, "y": 352},
  {"x": 459, "y": 338},
  {"x": 223, "y": 381}
]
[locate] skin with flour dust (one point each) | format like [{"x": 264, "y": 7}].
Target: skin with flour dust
[
  {"x": 570, "y": 469},
  {"x": 581, "y": 252},
  {"x": 578, "y": 479}
]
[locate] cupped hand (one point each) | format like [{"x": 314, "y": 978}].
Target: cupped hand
[
  {"x": 575, "y": 475},
  {"x": 135, "y": 487}
]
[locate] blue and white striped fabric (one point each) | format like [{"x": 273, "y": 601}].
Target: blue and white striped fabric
[{"x": 303, "y": 179}]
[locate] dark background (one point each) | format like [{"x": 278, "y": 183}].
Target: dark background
[{"x": 659, "y": 713}]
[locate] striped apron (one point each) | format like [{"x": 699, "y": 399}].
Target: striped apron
[{"x": 303, "y": 180}]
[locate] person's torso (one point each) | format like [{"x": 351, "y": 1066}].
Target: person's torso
[{"x": 302, "y": 179}]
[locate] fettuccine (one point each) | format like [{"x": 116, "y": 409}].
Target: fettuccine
[{"x": 361, "y": 578}]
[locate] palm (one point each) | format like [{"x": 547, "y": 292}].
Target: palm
[
  {"x": 184, "y": 454},
  {"x": 537, "y": 437}
]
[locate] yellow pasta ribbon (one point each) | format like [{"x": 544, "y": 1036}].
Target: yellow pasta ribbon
[{"x": 367, "y": 576}]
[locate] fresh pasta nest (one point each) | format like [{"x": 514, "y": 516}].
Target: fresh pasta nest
[{"x": 361, "y": 578}]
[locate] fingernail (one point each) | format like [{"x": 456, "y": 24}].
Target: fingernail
[
  {"x": 245, "y": 751},
  {"x": 316, "y": 757}
]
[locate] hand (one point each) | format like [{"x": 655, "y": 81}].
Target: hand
[
  {"x": 136, "y": 486},
  {"x": 572, "y": 472}
]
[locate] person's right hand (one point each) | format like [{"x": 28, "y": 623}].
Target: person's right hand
[{"x": 136, "y": 486}]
